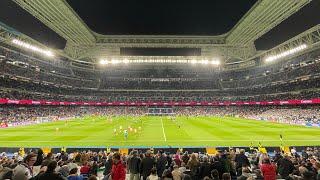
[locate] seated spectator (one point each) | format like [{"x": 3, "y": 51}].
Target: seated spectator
[
  {"x": 85, "y": 168},
  {"x": 73, "y": 175},
  {"x": 50, "y": 174}
]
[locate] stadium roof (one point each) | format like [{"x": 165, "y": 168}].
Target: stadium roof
[{"x": 76, "y": 22}]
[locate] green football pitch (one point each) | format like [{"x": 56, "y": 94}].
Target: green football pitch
[{"x": 155, "y": 131}]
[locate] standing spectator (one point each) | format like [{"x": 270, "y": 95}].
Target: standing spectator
[
  {"x": 147, "y": 164},
  {"x": 161, "y": 163},
  {"x": 108, "y": 165},
  {"x": 205, "y": 168},
  {"x": 118, "y": 171},
  {"x": 185, "y": 158},
  {"x": 177, "y": 160},
  {"x": 25, "y": 170},
  {"x": 193, "y": 164},
  {"x": 268, "y": 170},
  {"x": 241, "y": 161},
  {"x": 134, "y": 166},
  {"x": 39, "y": 158},
  {"x": 285, "y": 166}
]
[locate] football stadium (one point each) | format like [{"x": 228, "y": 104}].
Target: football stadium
[{"x": 159, "y": 90}]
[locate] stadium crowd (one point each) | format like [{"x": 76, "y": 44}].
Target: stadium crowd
[
  {"x": 224, "y": 165},
  {"x": 21, "y": 115},
  {"x": 25, "y": 77}
]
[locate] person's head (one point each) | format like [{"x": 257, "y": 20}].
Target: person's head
[
  {"x": 205, "y": 159},
  {"x": 93, "y": 177},
  {"x": 226, "y": 176},
  {"x": 316, "y": 166},
  {"x": 116, "y": 158},
  {"x": 153, "y": 171},
  {"x": 242, "y": 151},
  {"x": 148, "y": 153},
  {"x": 307, "y": 175},
  {"x": 215, "y": 174},
  {"x": 135, "y": 153},
  {"x": 30, "y": 159},
  {"x": 266, "y": 161},
  {"x": 73, "y": 171},
  {"x": 52, "y": 166}
]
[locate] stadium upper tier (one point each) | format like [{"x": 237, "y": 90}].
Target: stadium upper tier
[{"x": 26, "y": 76}]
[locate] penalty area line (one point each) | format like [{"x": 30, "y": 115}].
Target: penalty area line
[{"x": 164, "y": 134}]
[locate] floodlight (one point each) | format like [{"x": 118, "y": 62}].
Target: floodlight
[
  {"x": 193, "y": 61},
  {"x": 31, "y": 47},
  {"x": 115, "y": 61},
  {"x": 126, "y": 61},
  {"x": 215, "y": 62},
  {"x": 103, "y": 62},
  {"x": 286, "y": 53}
]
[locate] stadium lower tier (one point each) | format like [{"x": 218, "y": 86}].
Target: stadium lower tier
[{"x": 75, "y": 126}]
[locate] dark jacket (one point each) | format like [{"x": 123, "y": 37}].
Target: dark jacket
[
  {"x": 146, "y": 165},
  {"x": 134, "y": 164},
  {"x": 205, "y": 169},
  {"x": 241, "y": 160},
  {"x": 50, "y": 176},
  {"x": 161, "y": 165},
  {"x": 107, "y": 167},
  {"x": 285, "y": 167}
]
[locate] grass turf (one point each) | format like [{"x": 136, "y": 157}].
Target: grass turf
[{"x": 155, "y": 131}]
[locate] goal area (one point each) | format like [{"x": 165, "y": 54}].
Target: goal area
[{"x": 166, "y": 111}]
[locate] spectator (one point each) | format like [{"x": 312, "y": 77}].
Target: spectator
[
  {"x": 176, "y": 173},
  {"x": 73, "y": 175},
  {"x": 50, "y": 174},
  {"x": 153, "y": 175},
  {"x": 134, "y": 166},
  {"x": 118, "y": 171},
  {"x": 147, "y": 164},
  {"x": 268, "y": 170},
  {"x": 24, "y": 170}
]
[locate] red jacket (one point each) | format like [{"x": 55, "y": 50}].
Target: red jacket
[
  {"x": 118, "y": 171},
  {"x": 268, "y": 171}
]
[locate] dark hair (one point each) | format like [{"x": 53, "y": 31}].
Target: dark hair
[
  {"x": 93, "y": 177},
  {"x": 29, "y": 156},
  {"x": 52, "y": 166},
  {"x": 116, "y": 156},
  {"x": 226, "y": 176},
  {"x": 266, "y": 161},
  {"x": 153, "y": 170},
  {"x": 214, "y": 173},
  {"x": 73, "y": 171}
]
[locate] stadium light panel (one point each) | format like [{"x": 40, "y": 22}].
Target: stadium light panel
[
  {"x": 103, "y": 62},
  {"x": 193, "y": 61},
  {"x": 286, "y": 53},
  {"x": 215, "y": 62},
  {"x": 115, "y": 61},
  {"x": 33, "y": 48},
  {"x": 126, "y": 61}
]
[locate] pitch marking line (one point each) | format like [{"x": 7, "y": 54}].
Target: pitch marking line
[{"x": 164, "y": 134}]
